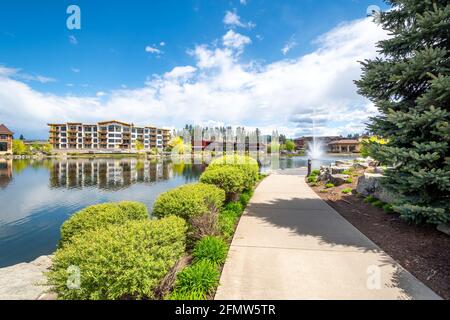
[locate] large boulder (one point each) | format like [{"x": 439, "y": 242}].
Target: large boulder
[
  {"x": 325, "y": 174},
  {"x": 369, "y": 184},
  {"x": 25, "y": 281},
  {"x": 340, "y": 163},
  {"x": 337, "y": 170},
  {"x": 338, "y": 179},
  {"x": 360, "y": 165}
]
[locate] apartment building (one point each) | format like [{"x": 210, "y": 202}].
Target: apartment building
[{"x": 114, "y": 136}]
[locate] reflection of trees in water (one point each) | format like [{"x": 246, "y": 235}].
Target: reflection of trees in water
[
  {"x": 114, "y": 174},
  {"x": 6, "y": 172}
]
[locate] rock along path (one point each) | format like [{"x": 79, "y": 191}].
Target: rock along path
[
  {"x": 24, "y": 281},
  {"x": 290, "y": 244}
]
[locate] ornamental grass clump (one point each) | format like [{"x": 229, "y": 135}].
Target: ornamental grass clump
[
  {"x": 196, "y": 281},
  {"x": 119, "y": 261},
  {"x": 211, "y": 248},
  {"x": 100, "y": 216}
]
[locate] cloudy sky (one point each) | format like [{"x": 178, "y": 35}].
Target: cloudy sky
[{"x": 258, "y": 63}]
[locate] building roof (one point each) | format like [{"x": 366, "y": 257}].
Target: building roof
[
  {"x": 345, "y": 141},
  {"x": 115, "y": 121},
  {"x": 5, "y": 130}
]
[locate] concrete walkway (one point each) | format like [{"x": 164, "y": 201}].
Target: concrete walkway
[{"x": 290, "y": 244}]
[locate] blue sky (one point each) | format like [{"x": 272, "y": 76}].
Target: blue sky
[{"x": 119, "y": 63}]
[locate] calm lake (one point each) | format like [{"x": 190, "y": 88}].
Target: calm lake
[{"x": 37, "y": 196}]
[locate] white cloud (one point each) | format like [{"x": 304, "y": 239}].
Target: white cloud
[
  {"x": 282, "y": 94},
  {"x": 243, "y": 2},
  {"x": 291, "y": 43},
  {"x": 232, "y": 19},
  {"x": 151, "y": 49},
  {"x": 17, "y": 74},
  {"x": 162, "y": 43},
  {"x": 100, "y": 94},
  {"x": 73, "y": 40},
  {"x": 235, "y": 40},
  {"x": 180, "y": 72},
  {"x": 76, "y": 70}
]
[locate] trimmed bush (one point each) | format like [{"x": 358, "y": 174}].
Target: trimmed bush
[
  {"x": 329, "y": 185},
  {"x": 311, "y": 179},
  {"x": 347, "y": 190},
  {"x": 201, "y": 277},
  {"x": 228, "y": 178},
  {"x": 100, "y": 216},
  {"x": 248, "y": 166},
  {"x": 189, "y": 200},
  {"x": 211, "y": 248},
  {"x": 349, "y": 180},
  {"x": 315, "y": 172},
  {"x": 120, "y": 261}
]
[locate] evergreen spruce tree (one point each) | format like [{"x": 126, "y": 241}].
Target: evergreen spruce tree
[{"x": 410, "y": 85}]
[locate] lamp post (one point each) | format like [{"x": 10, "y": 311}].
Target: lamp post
[{"x": 309, "y": 167}]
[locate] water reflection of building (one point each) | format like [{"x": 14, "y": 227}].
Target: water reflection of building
[
  {"x": 107, "y": 174},
  {"x": 6, "y": 172}
]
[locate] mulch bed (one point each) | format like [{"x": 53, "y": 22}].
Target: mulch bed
[{"x": 422, "y": 250}]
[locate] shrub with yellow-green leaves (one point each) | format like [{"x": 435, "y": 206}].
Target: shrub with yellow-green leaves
[
  {"x": 118, "y": 262},
  {"x": 189, "y": 201},
  {"x": 248, "y": 166},
  {"x": 101, "y": 215}
]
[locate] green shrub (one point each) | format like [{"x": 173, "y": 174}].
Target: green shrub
[
  {"x": 227, "y": 223},
  {"x": 347, "y": 190},
  {"x": 211, "y": 248},
  {"x": 388, "y": 208},
  {"x": 236, "y": 207},
  {"x": 228, "y": 178},
  {"x": 349, "y": 180},
  {"x": 100, "y": 216},
  {"x": 313, "y": 184},
  {"x": 120, "y": 261},
  {"x": 312, "y": 179},
  {"x": 349, "y": 171},
  {"x": 315, "y": 172},
  {"x": 378, "y": 204},
  {"x": 329, "y": 185},
  {"x": 245, "y": 198},
  {"x": 370, "y": 199},
  {"x": 248, "y": 166},
  {"x": 201, "y": 277},
  {"x": 189, "y": 200}
]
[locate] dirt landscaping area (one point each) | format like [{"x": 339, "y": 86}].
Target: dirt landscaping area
[{"x": 422, "y": 250}]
